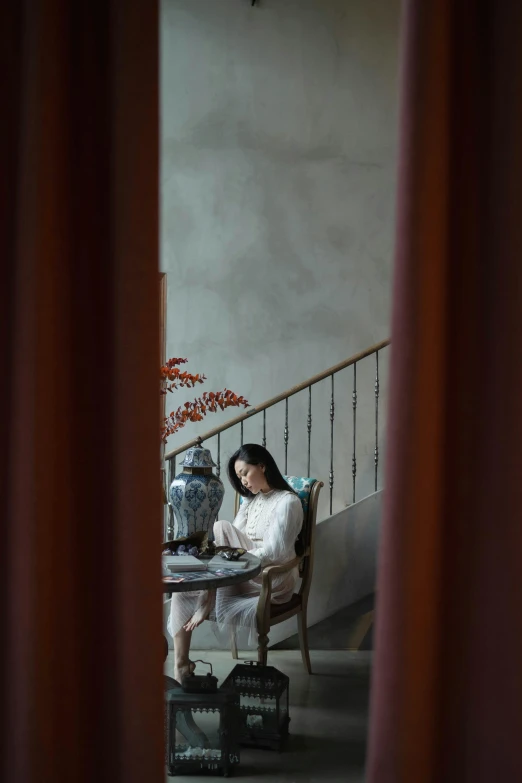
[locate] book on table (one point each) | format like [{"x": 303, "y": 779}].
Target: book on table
[
  {"x": 177, "y": 563},
  {"x": 218, "y": 562}
]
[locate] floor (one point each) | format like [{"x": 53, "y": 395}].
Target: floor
[{"x": 329, "y": 718}]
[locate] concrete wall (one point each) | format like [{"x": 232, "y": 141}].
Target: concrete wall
[
  {"x": 277, "y": 179},
  {"x": 344, "y": 572}
]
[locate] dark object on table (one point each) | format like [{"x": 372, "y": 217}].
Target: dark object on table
[
  {"x": 216, "y": 750},
  {"x": 196, "y": 545},
  {"x": 207, "y": 549},
  {"x": 183, "y": 545},
  {"x": 229, "y": 552},
  {"x": 263, "y": 702}
]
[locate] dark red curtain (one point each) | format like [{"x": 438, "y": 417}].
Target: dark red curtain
[
  {"x": 80, "y": 607},
  {"x": 447, "y": 685}
]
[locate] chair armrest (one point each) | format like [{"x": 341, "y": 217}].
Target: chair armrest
[{"x": 271, "y": 571}]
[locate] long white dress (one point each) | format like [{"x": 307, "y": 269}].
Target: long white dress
[{"x": 267, "y": 526}]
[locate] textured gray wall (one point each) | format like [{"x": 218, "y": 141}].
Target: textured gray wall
[{"x": 278, "y": 169}]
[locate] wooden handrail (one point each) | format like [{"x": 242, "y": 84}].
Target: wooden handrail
[{"x": 279, "y": 398}]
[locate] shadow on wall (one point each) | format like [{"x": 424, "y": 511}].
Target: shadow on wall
[{"x": 345, "y": 571}]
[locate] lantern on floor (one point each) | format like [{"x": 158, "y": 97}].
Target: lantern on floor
[
  {"x": 202, "y": 727},
  {"x": 263, "y": 704}
]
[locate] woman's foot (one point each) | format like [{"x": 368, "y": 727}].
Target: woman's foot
[
  {"x": 183, "y": 669},
  {"x": 201, "y": 614}
]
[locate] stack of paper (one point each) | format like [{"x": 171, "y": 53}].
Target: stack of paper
[{"x": 179, "y": 563}]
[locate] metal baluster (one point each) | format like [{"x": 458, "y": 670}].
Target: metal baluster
[
  {"x": 332, "y": 416},
  {"x": 170, "y": 524},
  {"x": 264, "y": 429},
  {"x": 354, "y": 404},
  {"x": 376, "y": 453},
  {"x": 286, "y": 436},
  {"x": 165, "y": 502},
  {"x": 218, "y": 464},
  {"x": 309, "y": 425}
]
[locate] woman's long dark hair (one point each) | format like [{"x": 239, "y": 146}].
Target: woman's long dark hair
[{"x": 253, "y": 454}]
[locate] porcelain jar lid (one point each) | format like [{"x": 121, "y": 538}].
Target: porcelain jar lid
[{"x": 198, "y": 457}]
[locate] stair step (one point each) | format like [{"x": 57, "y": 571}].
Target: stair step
[{"x": 350, "y": 628}]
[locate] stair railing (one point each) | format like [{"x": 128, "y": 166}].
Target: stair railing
[{"x": 284, "y": 397}]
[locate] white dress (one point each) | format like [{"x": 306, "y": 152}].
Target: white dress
[{"x": 266, "y": 526}]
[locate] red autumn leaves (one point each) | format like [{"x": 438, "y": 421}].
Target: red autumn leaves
[{"x": 171, "y": 377}]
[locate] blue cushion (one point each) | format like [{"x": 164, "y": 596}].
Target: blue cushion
[{"x": 302, "y": 486}]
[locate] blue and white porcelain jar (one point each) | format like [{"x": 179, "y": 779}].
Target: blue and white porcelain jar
[{"x": 196, "y": 494}]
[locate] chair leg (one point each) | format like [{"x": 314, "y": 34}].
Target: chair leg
[
  {"x": 262, "y": 648},
  {"x": 303, "y": 639},
  {"x": 233, "y": 644}
]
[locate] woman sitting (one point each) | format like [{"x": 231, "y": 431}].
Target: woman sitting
[{"x": 267, "y": 526}]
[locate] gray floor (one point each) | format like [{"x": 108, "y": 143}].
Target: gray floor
[{"x": 329, "y": 717}]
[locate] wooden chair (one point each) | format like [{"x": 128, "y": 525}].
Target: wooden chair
[{"x": 269, "y": 614}]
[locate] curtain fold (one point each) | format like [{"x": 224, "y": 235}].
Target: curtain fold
[
  {"x": 81, "y": 654},
  {"x": 446, "y": 699}
]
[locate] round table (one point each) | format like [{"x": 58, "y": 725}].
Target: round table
[{"x": 211, "y": 579}]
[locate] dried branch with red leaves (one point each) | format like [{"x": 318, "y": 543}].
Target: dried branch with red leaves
[{"x": 171, "y": 377}]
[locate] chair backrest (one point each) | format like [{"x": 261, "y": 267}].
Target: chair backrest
[
  {"x": 302, "y": 487},
  {"x": 307, "y": 490}
]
